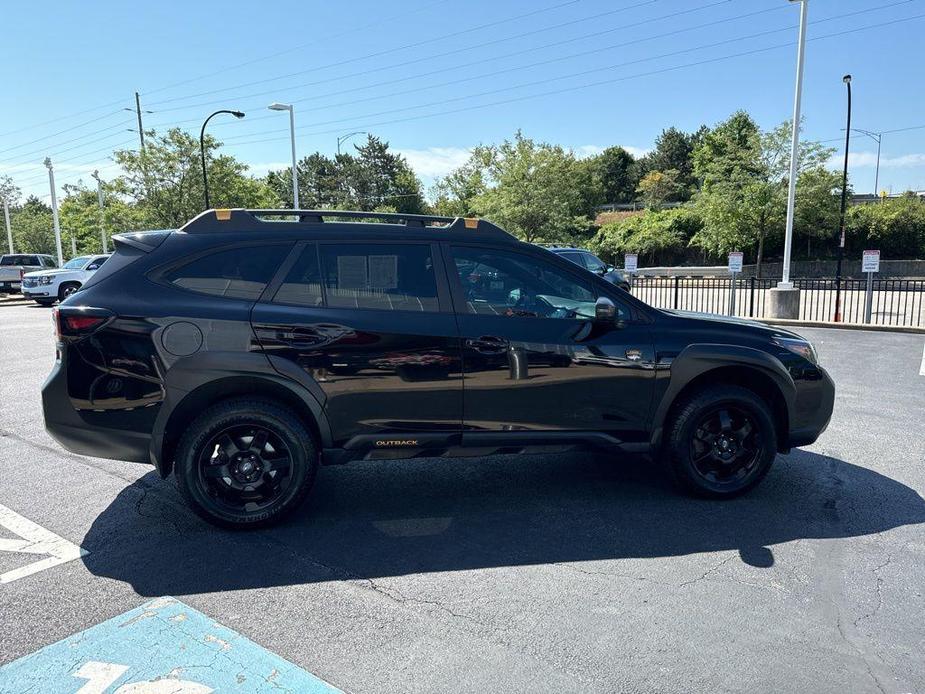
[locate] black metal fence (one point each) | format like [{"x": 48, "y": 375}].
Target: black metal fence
[{"x": 893, "y": 302}]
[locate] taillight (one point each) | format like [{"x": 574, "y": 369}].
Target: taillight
[
  {"x": 54, "y": 319},
  {"x": 71, "y": 323}
]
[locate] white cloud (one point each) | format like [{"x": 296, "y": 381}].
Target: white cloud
[
  {"x": 865, "y": 160},
  {"x": 435, "y": 162}
]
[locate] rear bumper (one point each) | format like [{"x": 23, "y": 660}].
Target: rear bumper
[
  {"x": 68, "y": 427},
  {"x": 812, "y": 410}
]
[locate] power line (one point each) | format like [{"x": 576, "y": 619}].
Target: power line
[
  {"x": 416, "y": 44},
  {"x": 533, "y": 83},
  {"x": 470, "y": 49},
  {"x": 45, "y": 149},
  {"x": 60, "y": 132},
  {"x": 598, "y": 83},
  {"x": 348, "y": 32}
]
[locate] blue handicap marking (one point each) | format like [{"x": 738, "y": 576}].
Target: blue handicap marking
[{"x": 161, "y": 647}]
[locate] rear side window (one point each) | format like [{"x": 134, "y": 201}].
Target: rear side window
[
  {"x": 233, "y": 273},
  {"x": 388, "y": 277}
]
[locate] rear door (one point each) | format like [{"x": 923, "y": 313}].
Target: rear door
[{"x": 370, "y": 325}]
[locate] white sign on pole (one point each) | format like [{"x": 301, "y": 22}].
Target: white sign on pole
[
  {"x": 870, "y": 261},
  {"x": 630, "y": 262},
  {"x": 735, "y": 261}
]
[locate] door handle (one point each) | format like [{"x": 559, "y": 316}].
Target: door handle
[{"x": 488, "y": 344}]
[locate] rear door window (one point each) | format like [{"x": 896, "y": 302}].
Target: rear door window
[
  {"x": 233, "y": 273},
  {"x": 387, "y": 277},
  {"x": 302, "y": 284}
]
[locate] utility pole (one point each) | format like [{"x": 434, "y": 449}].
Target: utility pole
[
  {"x": 9, "y": 230},
  {"x": 99, "y": 195},
  {"x": 141, "y": 130},
  {"x": 784, "y": 299},
  {"x": 54, "y": 210},
  {"x": 844, "y": 198}
]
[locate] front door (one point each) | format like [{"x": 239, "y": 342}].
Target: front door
[
  {"x": 367, "y": 324},
  {"x": 533, "y": 357}
]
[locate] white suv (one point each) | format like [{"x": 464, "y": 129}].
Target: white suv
[{"x": 48, "y": 286}]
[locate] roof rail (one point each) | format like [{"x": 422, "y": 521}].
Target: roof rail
[{"x": 233, "y": 220}]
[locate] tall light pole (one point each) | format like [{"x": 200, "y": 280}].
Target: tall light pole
[
  {"x": 99, "y": 195},
  {"x": 202, "y": 150},
  {"x": 276, "y": 106},
  {"x": 9, "y": 230},
  {"x": 785, "y": 282},
  {"x": 876, "y": 137},
  {"x": 844, "y": 199},
  {"x": 54, "y": 210},
  {"x": 344, "y": 138}
]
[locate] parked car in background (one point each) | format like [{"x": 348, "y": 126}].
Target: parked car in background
[
  {"x": 48, "y": 286},
  {"x": 589, "y": 261},
  {"x": 15, "y": 265}
]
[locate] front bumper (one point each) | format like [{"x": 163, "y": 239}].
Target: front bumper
[
  {"x": 74, "y": 432},
  {"x": 812, "y": 410},
  {"x": 32, "y": 293}
]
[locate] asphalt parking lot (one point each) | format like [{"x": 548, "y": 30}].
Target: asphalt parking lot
[{"x": 542, "y": 573}]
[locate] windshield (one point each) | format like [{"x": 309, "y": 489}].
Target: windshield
[{"x": 76, "y": 263}]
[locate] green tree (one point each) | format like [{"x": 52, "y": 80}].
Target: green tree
[
  {"x": 658, "y": 236},
  {"x": 658, "y": 187},
  {"x": 33, "y": 229},
  {"x": 80, "y": 216},
  {"x": 165, "y": 181},
  {"x": 534, "y": 190},
  {"x": 616, "y": 175},
  {"x": 674, "y": 151},
  {"x": 896, "y": 226},
  {"x": 9, "y": 191},
  {"x": 745, "y": 174},
  {"x": 455, "y": 194}
]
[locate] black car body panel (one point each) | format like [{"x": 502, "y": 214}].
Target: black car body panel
[{"x": 430, "y": 372}]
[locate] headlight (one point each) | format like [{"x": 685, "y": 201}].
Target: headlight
[
  {"x": 802, "y": 347},
  {"x": 45, "y": 279}
]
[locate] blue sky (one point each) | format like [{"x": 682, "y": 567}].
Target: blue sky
[{"x": 436, "y": 77}]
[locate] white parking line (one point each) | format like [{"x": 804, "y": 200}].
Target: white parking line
[{"x": 33, "y": 539}]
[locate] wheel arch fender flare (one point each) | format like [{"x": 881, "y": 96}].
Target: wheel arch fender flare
[
  {"x": 696, "y": 362},
  {"x": 196, "y": 382}
]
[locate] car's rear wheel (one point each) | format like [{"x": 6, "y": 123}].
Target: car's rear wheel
[
  {"x": 246, "y": 463},
  {"x": 721, "y": 441},
  {"x": 66, "y": 289}
]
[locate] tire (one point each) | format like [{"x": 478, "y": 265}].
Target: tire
[
  {"x": 66, "y": 289},
  {"x": 243, "y": 484},
  {"x": 716, "y": 455}
]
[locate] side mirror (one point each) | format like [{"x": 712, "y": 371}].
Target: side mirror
[{"x": 605, "y": 311}]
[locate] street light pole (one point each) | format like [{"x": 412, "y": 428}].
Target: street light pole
[
  {"x": 202, "y": 150},
  {"x": 876, "y": 137},
  {"x": 844, "y": 199},
  {"x": 99, "y": 195},
  {"x": 9, "y": 230},
  {"x": 785, "y": 282},
  {"x": 344, "y": 138},
  {"x": 276, "y": 106},
  {"x": 54, "y": 210}
]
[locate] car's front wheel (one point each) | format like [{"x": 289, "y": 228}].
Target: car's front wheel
[
  {"x": 721, "y": 441},
  {"x": 246, "y": 463},
  {"x": 65, "y": 290}
]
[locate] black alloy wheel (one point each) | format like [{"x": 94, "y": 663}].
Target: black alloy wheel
[
  {"x": 246, "y": 463},
  {"x": 720, "y": 441},
  {"x": 245, "y": 468},
  {"x": 725, "y": 447}
]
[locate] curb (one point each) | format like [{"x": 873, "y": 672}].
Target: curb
[{"x": 844, "y": 326}]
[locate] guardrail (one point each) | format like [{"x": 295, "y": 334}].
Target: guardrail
[{"x": 892, "y": 302}]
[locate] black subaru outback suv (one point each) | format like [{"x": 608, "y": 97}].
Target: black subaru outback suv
[{"x": 249, "y": 347}]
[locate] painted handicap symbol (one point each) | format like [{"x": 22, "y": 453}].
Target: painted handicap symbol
[{"x": 161, "y": 647}]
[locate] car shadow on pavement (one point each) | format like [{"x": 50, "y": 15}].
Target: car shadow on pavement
[{"x": 390, "y": 518}]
